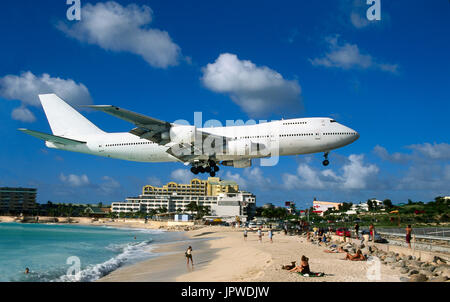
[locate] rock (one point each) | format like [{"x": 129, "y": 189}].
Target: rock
[
  {"x": 443, "y": 269},
  {"x": 439, "y": 279},
  {"x": 413, "y": 272},
  {"x": 426, "y": 273},
  {"x": 404, "y": 270},
  {"x": 404, "y": 279},
  {"x": 390, "y": 260},
  {"x": 418, "y": 278}
]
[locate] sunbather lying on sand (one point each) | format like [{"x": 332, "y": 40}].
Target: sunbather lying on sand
[
  {"x": 357, "y": 257},
  {"x": 303, "y": 268},
  {"x": 288, "y": 266},
  {"x": 333, "y": 250}
]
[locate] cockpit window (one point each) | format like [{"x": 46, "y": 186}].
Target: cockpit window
[{"x": 332, "y": 121}]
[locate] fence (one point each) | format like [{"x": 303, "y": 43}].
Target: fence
[{"x": 420, "y": 233}]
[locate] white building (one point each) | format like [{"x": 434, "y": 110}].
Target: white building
[{"x": 241, "y": 203}]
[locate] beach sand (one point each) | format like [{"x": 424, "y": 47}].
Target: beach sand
[{"x": 221, "y": 255}]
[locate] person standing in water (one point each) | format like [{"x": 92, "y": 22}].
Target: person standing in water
[{"x": 188, "y": 254}]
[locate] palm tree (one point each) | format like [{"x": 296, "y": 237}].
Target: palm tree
[{"x": 192, "y": 207}]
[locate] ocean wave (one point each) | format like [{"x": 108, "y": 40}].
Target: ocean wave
[{"x": 130, "y": 253}]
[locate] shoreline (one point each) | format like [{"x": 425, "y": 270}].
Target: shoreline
[{"x": 226, "y": 257}]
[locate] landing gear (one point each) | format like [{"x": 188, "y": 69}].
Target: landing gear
[
  {"x": 210, "y": 167},
  {"x": 325, "y": 162}
]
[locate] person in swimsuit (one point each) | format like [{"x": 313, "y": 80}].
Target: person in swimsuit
[
  {"x": 188, "y": 254},
  {"x": 245, "y": 234},
  {"x": 408, "y": 235},
  {"x": 304, "y": 266},
  {"x": 357, "y": 257},
  {"x": 270, "y": 236}
]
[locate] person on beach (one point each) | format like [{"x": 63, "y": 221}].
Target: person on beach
[
  {"x": 259, "y": 234},
  {"x": 333, "y": 250},
  {"x": 408, "y": 235},
  {"x": 245, "y": 235},
  {"x": 303, "y": 267},
  {"x": 270, "y": 236},
  {"x": 371, "y": 229},
  {"x": 188, "y": 254},
  {"x": 357, "y": 230},
  {"x": 357, "y": 257}
]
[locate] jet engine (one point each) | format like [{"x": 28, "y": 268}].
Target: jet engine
[{"x": 241, "y": 163}]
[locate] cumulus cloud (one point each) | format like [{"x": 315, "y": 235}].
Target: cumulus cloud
[
  {"x": 124, "y": 29},
  {"x": 182, "y": 175},
  {"x": 109, "y": 185},
  {"x": 355, "y": 174},
  {"x": 23, "y": 114},
  {"x": 258, "y": 90},
  {"x": 26, "y": 87},
  {"x": 433, "y": 151},
  {"x": 358, "y": 20},
  {"x": 74, "y": 180},
  {"x": 347, "y": 56},
  {"x": 241, "y": 181}
]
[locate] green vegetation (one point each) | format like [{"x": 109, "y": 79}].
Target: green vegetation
[{"x": 435, "y": 213}]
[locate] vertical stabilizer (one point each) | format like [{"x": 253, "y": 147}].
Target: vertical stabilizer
[{"x": 64, "y": 120}]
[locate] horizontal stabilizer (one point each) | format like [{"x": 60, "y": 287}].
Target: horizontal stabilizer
[{"x": 51, "y": 138}]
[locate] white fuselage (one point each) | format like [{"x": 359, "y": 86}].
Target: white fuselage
[{"x": 291, "y": 137}]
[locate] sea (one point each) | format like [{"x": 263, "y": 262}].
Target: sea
[{"x": 73, "y": 253}]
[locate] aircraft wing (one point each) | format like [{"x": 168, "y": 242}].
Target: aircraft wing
[
  {"x": 152, "y": 129},
  {"x": 51, "y": 138},
  {"x": 147, "y": 127}
]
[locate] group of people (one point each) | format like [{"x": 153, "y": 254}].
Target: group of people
[{"x": 260, "y": 234}]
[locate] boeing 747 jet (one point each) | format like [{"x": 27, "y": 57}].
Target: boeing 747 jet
[{"x": 204, "y": 149}]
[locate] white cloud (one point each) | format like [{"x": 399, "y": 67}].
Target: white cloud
[
  {"x": 242, "y": 182},
  {"x": 118, "y": 28},
  {"x": 75, "y": 180},
  {"x": 258, "y": 90},
  {"x": 355, "y": 174},
  {"x": 348, "y": 56},
  {"x": 154, "y": 181},
  {"x": 109, "y": 185},
  {"x": 182, "y": 175},
  {"x": 358, "y": 20},
  {"x": 23, "y": 114},
  {"x": 26, "y": 87},
  {"x": 432, "y": 151}
]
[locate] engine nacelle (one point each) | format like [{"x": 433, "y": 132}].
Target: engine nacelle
[
  {"x": 241, "y": 163},
  {"x": 181, "y": 134}
]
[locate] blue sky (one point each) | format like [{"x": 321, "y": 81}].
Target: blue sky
[{"x": 387, "y": 79}]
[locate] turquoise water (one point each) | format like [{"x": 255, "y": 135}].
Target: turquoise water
[{"x": 46, "y": 250}]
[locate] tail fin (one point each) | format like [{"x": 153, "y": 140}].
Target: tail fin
[{"x": 64, "y": 120}]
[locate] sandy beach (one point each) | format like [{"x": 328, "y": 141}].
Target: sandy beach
[{"x": 220, "y": 254}]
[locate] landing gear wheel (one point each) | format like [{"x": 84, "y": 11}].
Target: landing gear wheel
[
  {"x": 216, "y": 169},
  {"x": 208, "y": 169},
  {"x": 325, "y": 162},
  {"x": 211, "y": 163},
  {"x": 201, "y": 169},
  {"x": 212, "y": 173},
  {"x": 194, "y": 170}
]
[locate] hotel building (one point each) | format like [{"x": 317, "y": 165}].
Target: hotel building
[
  {"x": 17, "y": 200},
  {"x": 221, "y": 196}
]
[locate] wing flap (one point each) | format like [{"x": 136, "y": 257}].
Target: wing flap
[{"x": 51, "y": 138}]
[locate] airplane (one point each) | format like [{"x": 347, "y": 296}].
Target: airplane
[{"x": 204, "y": 149}]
